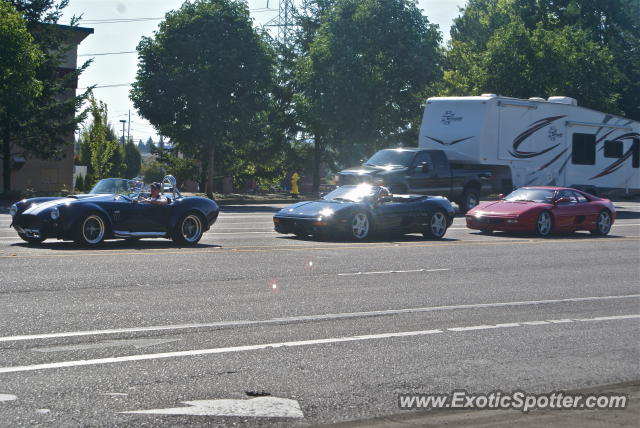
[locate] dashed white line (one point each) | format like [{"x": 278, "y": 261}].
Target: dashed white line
[
  {"x": 391, "y": 271},
  {"x": 319, "y": 317},
  {"x": 232, "y": 349}
]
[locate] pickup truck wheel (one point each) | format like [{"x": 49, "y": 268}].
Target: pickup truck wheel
[
  {"x": 469, "y": 200},
  {"x": 437, "y": 225}
]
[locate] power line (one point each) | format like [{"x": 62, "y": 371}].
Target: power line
[
  {"x": 109, "y": 53},
  {"x": 118, "y": 85},
  {"x": 125, "y": 20}
]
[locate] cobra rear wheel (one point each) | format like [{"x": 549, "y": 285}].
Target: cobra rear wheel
[
  {"x": 360, "y": 226},
  {"x": 189, "y": 229},
  {"x": 544, "y": 224},
  {"x": 30, "y": 240},
  {"x": 90, "y": 230},
  {"x": 437, "y": 225},
  {"x": 603, "y": 224}
]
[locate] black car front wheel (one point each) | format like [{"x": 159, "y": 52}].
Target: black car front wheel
[
  {"x": 30, "y": 240},
  {"x": 90, "y": 231},
  {"x": 360, "y": 226},
  {"x": 438, "y": 225},
  {"x": 189, "y": 229}
]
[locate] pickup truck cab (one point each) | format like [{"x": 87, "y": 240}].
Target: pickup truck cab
[{"x": 420, "y": 171}]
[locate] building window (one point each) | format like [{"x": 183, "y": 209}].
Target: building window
[
  {"x": 584, "y": 149},
  {"x": 613, "y": 149}
]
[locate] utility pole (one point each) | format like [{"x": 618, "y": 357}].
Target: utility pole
[
  {"x": 129, "y": 127},
  {"x": 284, "y": 22},
  {"x": 123, "y": 123}
]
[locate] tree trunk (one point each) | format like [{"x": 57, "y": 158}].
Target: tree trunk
[
  {"x": 210, "y": 172},
  {"x": 6, "y": 160},
  {"x": 317, "y": 153}
]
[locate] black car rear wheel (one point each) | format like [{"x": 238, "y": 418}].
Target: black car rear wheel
[
  {"x": 90, "y": 231},
  {"x": 189, "y": 229},
  {"x": 438, "y": 225},
  {"x": 30, "y": 240}
]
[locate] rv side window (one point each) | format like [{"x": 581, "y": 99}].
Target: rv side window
[
  {"x": 635, "y": 154},
  {"x": 613, "y": 149},
  {"x": 584, "y": 149}
]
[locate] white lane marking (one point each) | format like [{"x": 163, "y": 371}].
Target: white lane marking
[
  {"x": 115, "y": 394},
  {"x": 196, "y": 352},
  {"x": 7, "y": 397},
  {"x": 318, "y": 317},
  {"x": 136, "y": 343},
  {"x": 260, "y": 407},
  {"x": 233, "y": 349},
  {"x": 391, "y": 271}
]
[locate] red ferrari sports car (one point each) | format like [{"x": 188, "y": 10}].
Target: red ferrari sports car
[{"x": 544, "y": 210}]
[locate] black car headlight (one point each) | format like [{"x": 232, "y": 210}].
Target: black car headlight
[{"x": 13, "y": 210}]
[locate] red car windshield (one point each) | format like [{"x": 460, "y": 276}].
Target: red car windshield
[{"x": 531, "y": 195}]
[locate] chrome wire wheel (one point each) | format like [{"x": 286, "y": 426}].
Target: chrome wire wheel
[
  {"x": 438, "y": 224},
  {"x": 360, "y": 226},
  {"x": 93, "y": 229},
  {"x": 603, "y": 223},
  {"x": 191, "y": 228},
  {"x": 544, "y": 224}
]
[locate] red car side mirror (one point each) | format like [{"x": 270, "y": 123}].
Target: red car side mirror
[
  {"x": 563, "y": 201},
  {"x": 501, "y": 196}
]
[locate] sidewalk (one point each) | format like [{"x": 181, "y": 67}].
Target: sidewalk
[{"x": 629, "y": 417}]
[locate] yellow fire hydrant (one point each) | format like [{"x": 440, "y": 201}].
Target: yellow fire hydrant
[{"x": 295, "y": 192}]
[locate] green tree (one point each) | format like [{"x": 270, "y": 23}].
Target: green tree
[
  {"x": 365, "y": 77},
  {"x": 587, "y": 49},
  {"x": 43, "y": 131},
  {"x": 204, "y": 75},
  {"x": 102, "y": 143},
  {"x": 19, "y": 86},
  {"x": 152, "y": 171},
  {"x": 132, "y": 159}
]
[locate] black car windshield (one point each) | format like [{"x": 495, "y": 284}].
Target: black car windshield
[
  {"x": 117, "y": 186},
  {"x": 351, "y": 193},
  {"x": 391, "y": 157},
  {"x": 531, "y": 195}
]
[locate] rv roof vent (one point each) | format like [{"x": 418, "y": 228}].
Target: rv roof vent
[
  {"x": 542, "y": 100},
  {"x": 489, "y": 95},
  {"x": 564, "y": 100}
]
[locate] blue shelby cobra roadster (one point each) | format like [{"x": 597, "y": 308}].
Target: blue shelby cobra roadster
[{"x": 114, "y": 209}]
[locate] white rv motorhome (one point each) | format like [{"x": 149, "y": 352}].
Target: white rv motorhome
[{"x": 542, "y": 142}]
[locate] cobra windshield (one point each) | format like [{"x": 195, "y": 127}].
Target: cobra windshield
[{"x": 116, "y": 186}]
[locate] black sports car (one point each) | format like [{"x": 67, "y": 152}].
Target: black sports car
[
  {"x": 358, "y": 211},
  {"x": 114, "y": 209}
]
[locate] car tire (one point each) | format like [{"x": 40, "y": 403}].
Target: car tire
[
  {"x": 544, "y": 224},
  {"x": 91, "y": 230},
  {"x": 470, "y": 199},
  {"x": 188, "y": 229},
  {"x": 29, "y": 240},
  {"x": 360, "y": 226},
  {"x": 603, "y": 223},
  {"x": 437, "y": 225}
]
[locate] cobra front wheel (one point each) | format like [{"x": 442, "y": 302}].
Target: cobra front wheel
[{"x": 90, "y": 230}]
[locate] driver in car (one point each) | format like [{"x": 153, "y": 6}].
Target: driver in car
[{"x": 156, "y": 198}]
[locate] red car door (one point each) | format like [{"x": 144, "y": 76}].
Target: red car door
[{"x": 568, "y": 212}]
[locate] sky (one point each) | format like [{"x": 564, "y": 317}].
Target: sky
[{"x": 115, "y": 71}]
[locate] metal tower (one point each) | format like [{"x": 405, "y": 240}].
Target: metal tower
[{"x": 284, "y": 21}]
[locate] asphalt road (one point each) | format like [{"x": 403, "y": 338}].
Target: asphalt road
[{"x": 340, "y": 328}]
